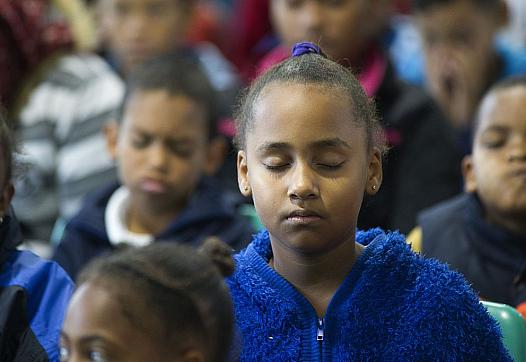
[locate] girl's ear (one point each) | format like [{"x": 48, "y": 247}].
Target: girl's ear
[
  {"x": 217, "y": 150},
  {"x": 468, "y": 171},
  {"x": 243, "y": 180},
  {"x": 374, "y": 172},
  {"x": 111, "y": 131}
]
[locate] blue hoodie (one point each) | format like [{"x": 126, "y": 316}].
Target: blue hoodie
[
  {"x": 208, "y": 213},
  {"x": 393, "y": 306},
  {"x": 34, "y": 295}
]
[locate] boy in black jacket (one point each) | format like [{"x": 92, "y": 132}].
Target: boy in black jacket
[{"x": 482, "y": 232}]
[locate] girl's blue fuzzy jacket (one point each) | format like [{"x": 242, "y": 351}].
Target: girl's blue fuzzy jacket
[{"x": 393, "y": 306}]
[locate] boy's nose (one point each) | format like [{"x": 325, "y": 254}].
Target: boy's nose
[
  {"x": 303, "y": 184},
  {"x": 158, "y": 157},
  {"x": 311, "y": 20},
  {"x": 518, "y": 148},
  {"x": 136, "y": 26}
]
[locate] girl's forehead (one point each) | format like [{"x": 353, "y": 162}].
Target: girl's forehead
[
  {"x": 300, "y": 114},
  {"x": 283, "y": 97}
]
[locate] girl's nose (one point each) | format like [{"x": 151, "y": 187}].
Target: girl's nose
[{"x": 303, "y": 184}]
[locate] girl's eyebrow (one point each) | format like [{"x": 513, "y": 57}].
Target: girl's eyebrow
[
  {"x": 330, "y": 142},
  {"x": 325, "y": 143},
  {"x": 273, "y": 146}
]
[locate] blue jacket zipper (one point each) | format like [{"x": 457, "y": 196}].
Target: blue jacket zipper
[{"x": 319, "y": 337}]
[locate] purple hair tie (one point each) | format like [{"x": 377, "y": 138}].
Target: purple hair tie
[{"x": 305, "y": 48}]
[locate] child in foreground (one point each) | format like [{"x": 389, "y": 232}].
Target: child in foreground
[
  {"x": 163, "y": 302},
  {"x": 312, "y": 287}
]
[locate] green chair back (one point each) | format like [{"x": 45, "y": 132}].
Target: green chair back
[
  {"x": 250, "y": 212},
  {"x": 513, "y": 328}
]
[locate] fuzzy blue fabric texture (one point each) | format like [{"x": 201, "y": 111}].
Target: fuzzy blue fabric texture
[{"x": 393, "y": 306}]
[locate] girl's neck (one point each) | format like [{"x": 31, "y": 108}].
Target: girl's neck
[{"x": 316, "y": 277}]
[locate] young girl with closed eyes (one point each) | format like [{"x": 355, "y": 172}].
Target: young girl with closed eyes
[{"x": 311, "y": 287}]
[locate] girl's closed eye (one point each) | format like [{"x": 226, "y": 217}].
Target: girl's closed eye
[
  {"x": 329, "y": 161},
  {"x": 275, "y": 163},
  {"x": 330, "y": 165}
]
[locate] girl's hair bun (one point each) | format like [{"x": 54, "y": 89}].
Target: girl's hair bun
[
  {"x": 306, "y": 47},
  {"x": 219, "y": 253}
]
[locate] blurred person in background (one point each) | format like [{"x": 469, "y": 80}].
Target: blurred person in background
[{"x": 59, "y": 97}]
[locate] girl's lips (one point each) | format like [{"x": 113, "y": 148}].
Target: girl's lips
[
  {"x": 303, "y": 217},
  {"x": 153, "y": 186},
  {"x": 303, "y": 220}
]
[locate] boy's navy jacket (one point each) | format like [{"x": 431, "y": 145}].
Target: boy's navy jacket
[
  {"x": 208, "y": 213},
  {"x": 490, "y": 257},
  {"x": 393, "y": 306},
  {"x": 34, "y": 295}
]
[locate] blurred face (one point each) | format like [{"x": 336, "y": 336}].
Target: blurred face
[
  {"x": 458, "y": 41},
  {"x": 497, "y": 168},
  {"x": 136, "y": 30},
  {"x": 307, "y": 165},
  {"x": 343, "y": 28},
  {"x": 96, "y": 329},
  {"x": 161, "y": 149}
]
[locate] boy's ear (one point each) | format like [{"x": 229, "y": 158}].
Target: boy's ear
[
  {"x": 468, "y": 171},
  {"x": 111, "y": 131},
  {"x": 217, "y": 150},
  {"x": 243, "y": 180},
  {"x": 374, "y": 172}
]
